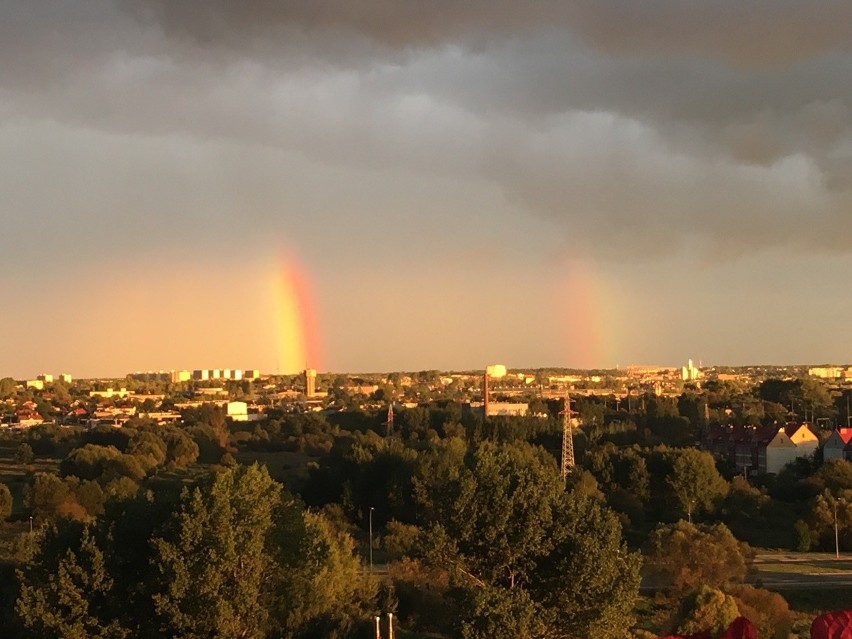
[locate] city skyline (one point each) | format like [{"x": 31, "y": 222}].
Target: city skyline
[{"x": 373, "y": 187}]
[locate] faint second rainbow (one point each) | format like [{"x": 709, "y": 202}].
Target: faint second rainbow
[{"x": 590, "y": 318}]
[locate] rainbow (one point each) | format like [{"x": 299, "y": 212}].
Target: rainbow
[
  {"x": 591, "y": 318},
  {"x": 297, "y": 344}
]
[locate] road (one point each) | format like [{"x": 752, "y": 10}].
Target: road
[
  {"x": 802, "y": 570},
  {"x": 786, "y": 571}
]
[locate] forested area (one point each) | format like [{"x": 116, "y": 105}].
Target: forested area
[{"x": 311, "y": 524}]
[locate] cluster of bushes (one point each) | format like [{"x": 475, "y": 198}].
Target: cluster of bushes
[{"x": 107, "y": 463}]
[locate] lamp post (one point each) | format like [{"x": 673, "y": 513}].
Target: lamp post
[
  {"x": 371, "y": 538},
  {"x": 836, "y": 536}
]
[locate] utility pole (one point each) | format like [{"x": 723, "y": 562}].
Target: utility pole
[
  {"x": 836, "y": 536},
  {"x": 371, "y": 547},
  {"x": 567, "y": 440}
]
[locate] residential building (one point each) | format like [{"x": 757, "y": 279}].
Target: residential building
[
  {"x": 764, "y": 449},
  {"x": 838, "y": 445},
  {"x": 180, "y": 376}
]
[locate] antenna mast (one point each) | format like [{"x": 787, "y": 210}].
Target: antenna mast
[{"x": 567, "y": 439}]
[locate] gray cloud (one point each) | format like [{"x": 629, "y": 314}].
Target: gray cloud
[
  {"x": 636, "y": 127},
  {"x": 756, "y": 31}
]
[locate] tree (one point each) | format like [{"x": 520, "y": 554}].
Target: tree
[
  {"x": 181, "y": 450},
  {"x": 320, "y": 588},
  {"x": 212, "y": 564},
  {"x": 48, "y": 496},
  {"x": 8, "y": 387},
  {"x": 696, "y": 482},
  {"x": 88, "y": 461},
  {"x": 501, "y": 521},
  {"x": 683, "y": 556},
  {"x": 232, "y": 557},
  {"x": 497, "y": 509},
  {"x": 63, "y": 593},
  {"x": 498, "y": 613},
  {"x": 24, "y": 454},
  {"x": 589, "y": 581},
  {"x": 149, "y": 446},
  {"x": 767, "y": 610},
  {"x": 5, "y": 502},
  {"x": 706, "y": 610}
]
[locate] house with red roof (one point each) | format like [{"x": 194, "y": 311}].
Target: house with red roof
[{"x": 838, "y": 445}]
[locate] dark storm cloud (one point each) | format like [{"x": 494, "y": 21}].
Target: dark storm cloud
[
  {"x": 750, "y": 32},
  {"x": 635, "y": 127}
]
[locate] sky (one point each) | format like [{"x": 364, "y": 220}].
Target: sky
[{"x": 377, "y": 185}]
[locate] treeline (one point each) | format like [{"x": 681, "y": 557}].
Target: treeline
[
  {"x": 155, "y": 531},
  {"x": 235, "y": 556},
  {"x": 497, "y": 542}
]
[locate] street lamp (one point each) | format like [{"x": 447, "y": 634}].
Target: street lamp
[
  {"x": 836, "y": 536},
  {"x": 371, "y": 538}
]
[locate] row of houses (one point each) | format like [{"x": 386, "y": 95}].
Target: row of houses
[{"x": 765, "y": 449}]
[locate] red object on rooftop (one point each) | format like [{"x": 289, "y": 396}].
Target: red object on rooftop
[
  {"x": 845, "y": 434},
  {"x": 833, "y": 625},
  {"x": 740, "y": 628}
]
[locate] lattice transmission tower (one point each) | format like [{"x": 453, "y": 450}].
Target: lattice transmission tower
[
  {"x": 389, "y": 422},
  {"x": 567, "y": 440}
]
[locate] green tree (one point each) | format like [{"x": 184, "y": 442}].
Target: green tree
[
  {"x": 212, "y": 564},
  {"x": 88, "y": 461},
  {"x": 63, "y": 594},
  {"x": 498, "y": 613},
  {"x": 497, "y": 509},
  {"x": 320, "y": 588},
  {"x": 706, "y": 610},
  {"x": 695, "y": 481},
  {"x": 683, "y": 556},
  {"x": 148, "y": 446},
  {"x": 24, "y": 454},
  {"x": 48, "y": 496},
  {"x": 181, "y": 450},
  {"x": 232, "y": 557},
  {"x": 589, "y": 582},
  {"x": 8, "y": 387},
  {"x": 501, "y": 521}
]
